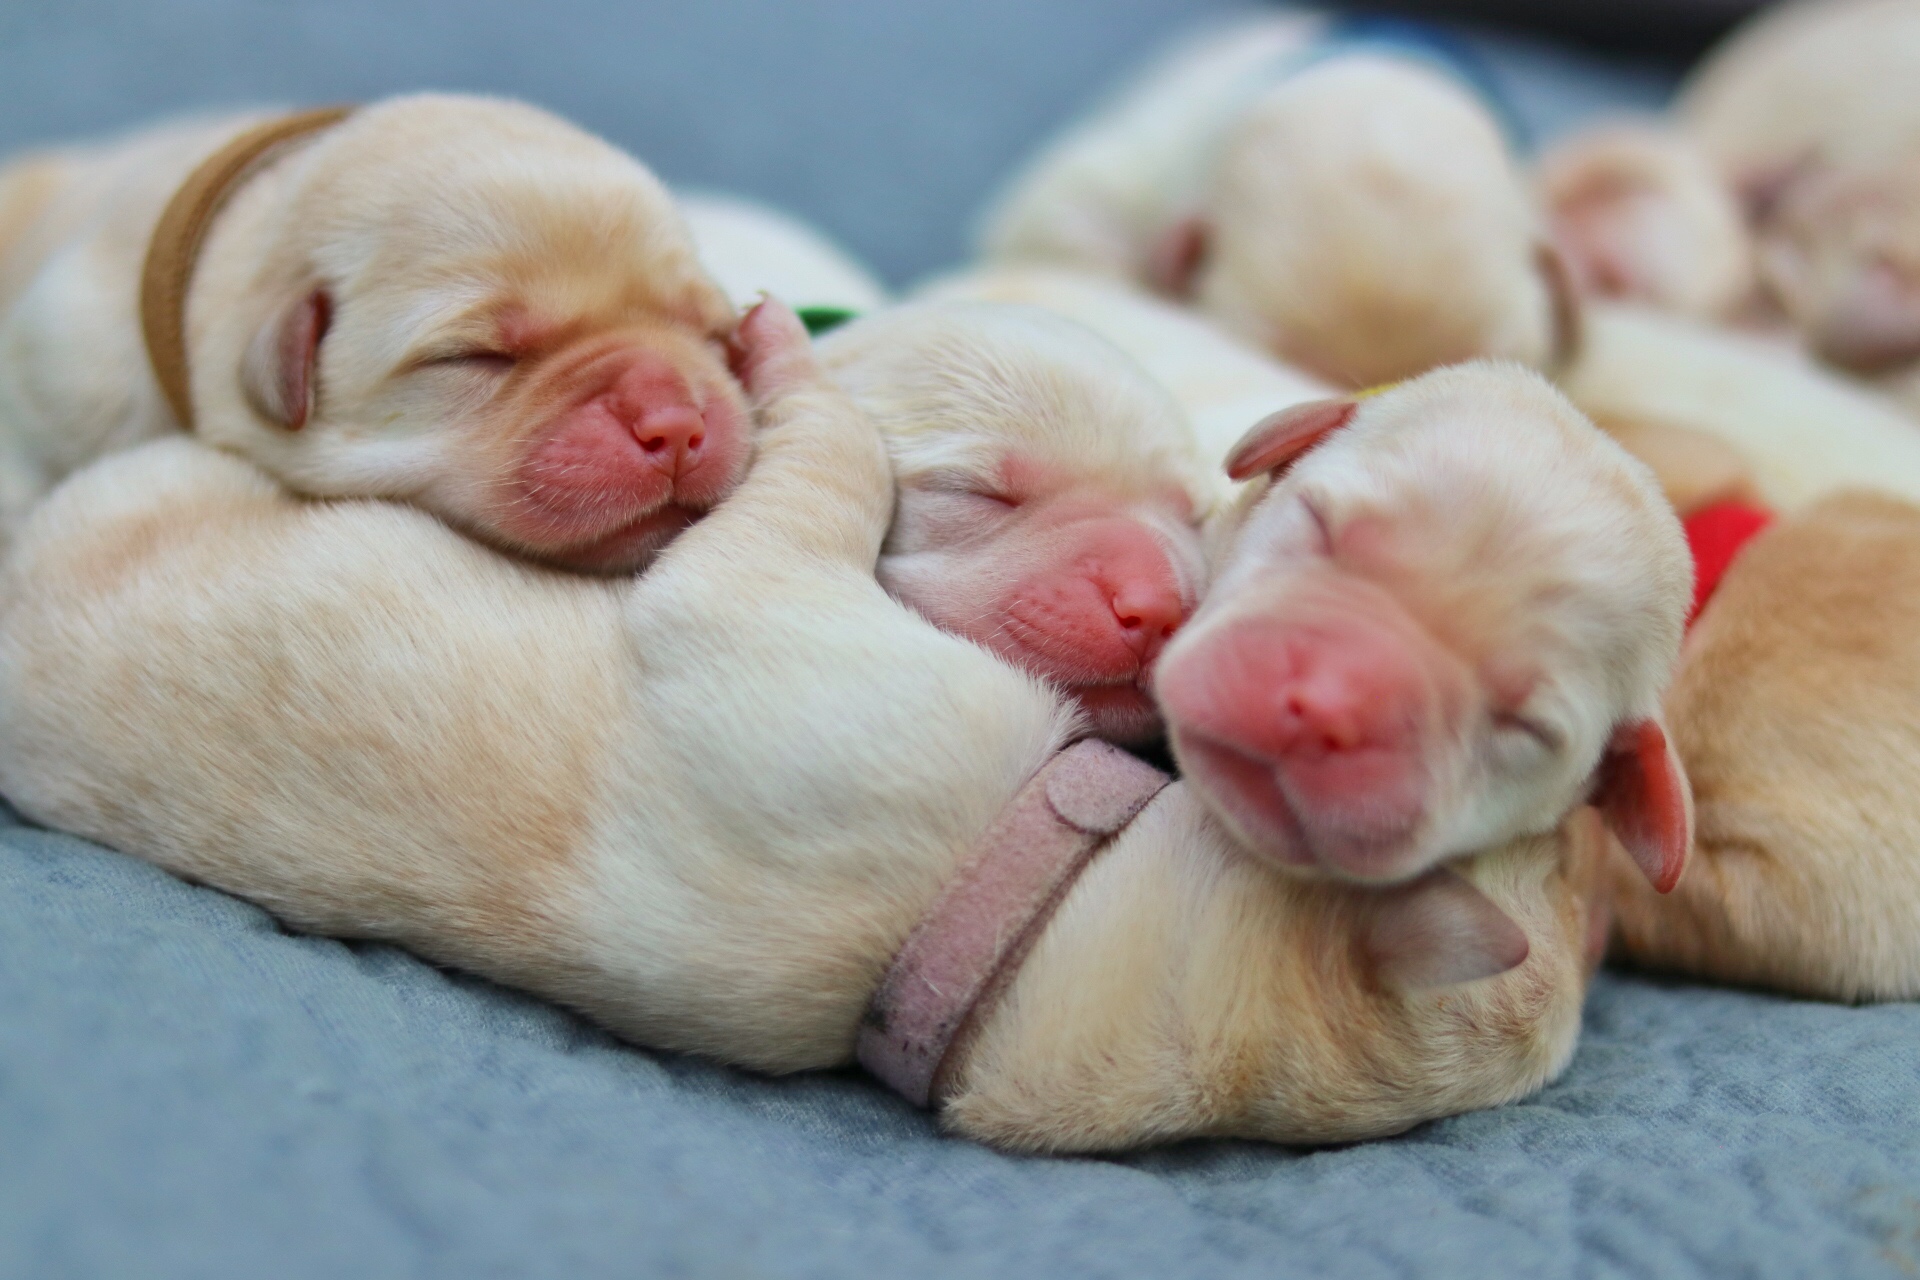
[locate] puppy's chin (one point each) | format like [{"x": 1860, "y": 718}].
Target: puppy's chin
[{"x": 627, "y": 549}]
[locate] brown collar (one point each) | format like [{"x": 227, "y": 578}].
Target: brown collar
[
  {"x": 174, "y": 250},
  {"x": 969, "y": 945}
]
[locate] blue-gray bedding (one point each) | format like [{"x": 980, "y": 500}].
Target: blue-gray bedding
[{"x": 188, "y": 1091}]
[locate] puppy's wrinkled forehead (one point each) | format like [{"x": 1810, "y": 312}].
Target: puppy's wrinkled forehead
[
  {"x": 955, "y": 385},
  {"x": 465, "y": 202},
  {"x": 1496, "y": 511}
]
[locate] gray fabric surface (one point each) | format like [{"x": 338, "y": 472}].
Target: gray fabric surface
[{"x": 187, "y": 1091}]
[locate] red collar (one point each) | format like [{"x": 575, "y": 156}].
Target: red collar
[
  {"x": 1716, "y": 535},
  {"x": 971, "y": 941}
]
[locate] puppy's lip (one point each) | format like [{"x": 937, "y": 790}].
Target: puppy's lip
[
  {"x": 1246, "y": 792},
  {"x": 1251, "y": 794}
]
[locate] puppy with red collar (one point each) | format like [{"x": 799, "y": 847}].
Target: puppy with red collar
[{"x": 462, "y": 303}]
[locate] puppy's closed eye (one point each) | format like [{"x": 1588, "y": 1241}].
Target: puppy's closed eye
[
  {"x": 1514, "y": 722},
  {"x": 476, "y": 360},
  {"x": 962, "y": 485}
]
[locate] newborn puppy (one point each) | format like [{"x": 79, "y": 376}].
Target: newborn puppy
[
  {"x": 706, "y": 805},
  {"x": 1048, "y": 493},
  {"x": 1797, "y": 712},
  {"x": 462, "y": 303},
  {"x": 1640, "y": 213},
  {"x": 1349, "y": 206},
  {"x": 1809, "y": 113},
  {"x": 1446, "y": 618}
]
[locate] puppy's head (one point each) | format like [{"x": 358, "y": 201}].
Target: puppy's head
[
  {"x": 1639, "y": 212},
  {"x": 1448, "y": 616},
  {"x": 1047, "y": 493},
  {"x": 1367, "y": 223},
  {"x": 473, "y": 306},
  {"x": 1839, "y": 251}
]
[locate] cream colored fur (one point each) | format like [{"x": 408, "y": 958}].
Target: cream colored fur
[
  {"x": 705, "y": 805},
  {"x": 1222, "y": 385},
  {"x": 1643, "y": 214},
  {"x": 1804, "y": 430},
  {"x": 422, "y": 215},
  {"x": 1827, "y": 77},
  {"x": 1809, "y": 113},
  {"x": 1797, "y": 711},
  {"x": 1362, "y": 216}
]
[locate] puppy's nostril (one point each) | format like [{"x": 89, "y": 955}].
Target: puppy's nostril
[
  {"x": 653, "y": 444},
  {"x": 694, "y": 441}
]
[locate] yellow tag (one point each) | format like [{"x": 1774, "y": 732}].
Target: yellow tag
[{"x": 1371, "y": 392}]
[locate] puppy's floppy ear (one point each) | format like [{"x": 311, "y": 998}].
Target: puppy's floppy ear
[
  {"x": 1563, "y": 296},
  {"x": 277, "y": 372},
  {"x": 1437, "y": 931},
  {"x": 1643, "y": 794},
  {"x": 1176, "y": 256},
  {"x": 1277, "y": 439}
]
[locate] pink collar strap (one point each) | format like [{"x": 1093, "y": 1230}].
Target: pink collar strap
[{"x": 971, "y": 941}]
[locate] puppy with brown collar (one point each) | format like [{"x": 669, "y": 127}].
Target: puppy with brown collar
[{"x": 463, "y": 303}]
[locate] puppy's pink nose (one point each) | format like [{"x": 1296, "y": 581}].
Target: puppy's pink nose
[
  {"x": 1277, "y": 694},
  {"x": 1333, "y": 707},
  {"x": 651, "y": 399},
  {"x": 672, "y": 433},
  {"x": 1149, "y": 609}
]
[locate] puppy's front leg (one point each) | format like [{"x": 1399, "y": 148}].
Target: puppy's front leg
[{"x": 821, "y": 485}]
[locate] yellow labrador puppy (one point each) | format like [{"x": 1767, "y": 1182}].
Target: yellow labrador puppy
[{"x": 463, "y": 303}]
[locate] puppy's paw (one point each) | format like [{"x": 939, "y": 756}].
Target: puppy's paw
[{"x": 772, "y": 354}]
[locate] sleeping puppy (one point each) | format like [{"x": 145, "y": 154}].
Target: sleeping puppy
[
  {"x": 462, "y": 303},
  {"x": 1435, "y": 616},
  {"x": 1339, "y": 200},
  {"x": 1445, "y": 619},
  {"x": 1797, "y": 711},
  {"x": 1048, "y": 494},
  {"x": 707, "y": 805}
]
